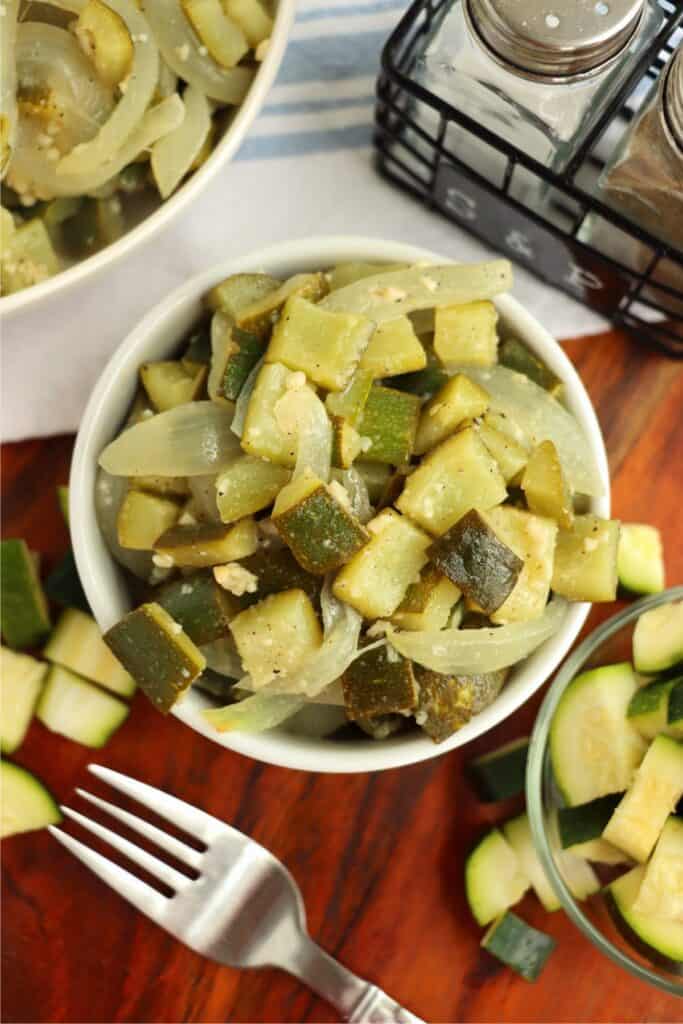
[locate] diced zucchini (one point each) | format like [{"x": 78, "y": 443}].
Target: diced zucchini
[
  {"x": 545, "y": 486},
  {"x": 428, "y": 603},
  {"x": 259, "y": 316},
  {"x": 276, "y": 635},
  {"x": 674, "y": 718},
  {"x": 466, "y": 335},
  {"x": 389, "y": 423},
  {"x": 350, "y": 403},
  {"x": 584, "y": 822},
  {"x": 26, "y": 803},
  {"x": 248, "y": 485},
  {"x": 510, "y": 455},
  {"x": 638, "y": 819},
  {"x": 501, "y": 773},
  {"x": 594, "y": 749},
  {"x": 518, "y": 945},
  {"x": 532, "y": 539},
  {"x": 202, "y": 608},
  {"x": 346, "y": 443},
  {"x": 376, "y": 579},
  {"x": 64, "y": 587},
  {"x": 222, "y": 37},
  {"x": 649, "y": 706},
  {"x": 477, "y": 561},
  {"x": 143, "y": 517},
  {"x": 242, "y": 354},
  {"x": 263, "y": 435},
  {"x": 393, "y": 348},
  {"x": 157, "y": 652},
  {"x": 105, "y": 39},
  {"x": 494, "y": 879},
  {"x": 75, "y": 708},
  {"x": 169, "y": 383},
  {"x": 276, "y": 569},
  {"x": 378, "y": 684},
  {"x": 458, "y": 400},
  {"x": 24, "y": 616},
  {"x": 77, "y": 644},
  {"x": 325, "y": 346},
  {"x": 516, "y": 356},
  {"x": 458, "y": 475},
  {"x": 167, "y": 486},
  {"x": 21, "y": 680},
  {"x": 658, "y": 938},
  {"x": 445, "y": 703},
  {"x": 252, "y": 18},
  {"x": 239, "y": 291},
  {"x": 658, "y": 639},
  {"x": 661, "y": 893},
  {"x": 28, "y": 257},
  {"x": 199, "y": 545},
  {"x": 586, "y": 560},
  {"x": 320, "y": 531},
  {"x": 640, "y": 559},
  {"x": 599, "y": 851},
  {"x": 375, "y": 476}
]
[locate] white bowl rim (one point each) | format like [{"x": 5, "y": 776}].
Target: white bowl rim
[
  {"x": 222, "y": 154},
  {"x": 94, "y": 563}
]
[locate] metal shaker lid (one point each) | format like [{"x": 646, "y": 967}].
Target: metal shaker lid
[
  {"x": 673, "y": 97},
  {"x": 555, "y": 38}
]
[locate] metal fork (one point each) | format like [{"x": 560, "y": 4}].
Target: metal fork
[{"x": 244, "y": 909}]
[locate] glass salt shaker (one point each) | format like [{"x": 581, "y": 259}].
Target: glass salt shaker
[{"x": 535, "y": 72}]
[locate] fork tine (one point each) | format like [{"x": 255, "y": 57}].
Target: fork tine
[
  {"x": 143, "y": 896},
  {"x": 181, "y": 851},
  {"x": 185, "y": 816},
  {"x": 157, "y": 868}
]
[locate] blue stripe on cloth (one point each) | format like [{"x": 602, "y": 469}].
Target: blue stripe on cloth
[
  {"x": 312, "y": 106},
  {"x": 349, "y": 10},
  {"x": 331, "y": 58},
  {"x": 266, "y": 147}
]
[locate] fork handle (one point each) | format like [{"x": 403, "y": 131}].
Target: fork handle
[{"x": 358, "y": 1001}]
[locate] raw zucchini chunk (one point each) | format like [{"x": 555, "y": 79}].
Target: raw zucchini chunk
[
  {"x": 494, "y": 879},
  {"x": 649, "y": 707},
  {"x": 658, "y": 639},
  {"x": 77, "y": 644},
  {"x": 326, "y": 346},
  {"x": 659, "y": 938},
  {"x": 477, "y": 561},
  {"x": 594, "y": 749},
  {"x": 516, "y": 356},
  {"x": 350, "y": 403},
  {"x": 21, "y": 680},
  {"x": 276, "y": 569},
  {"x": 518, "y": 945},
  {"x": 376, "y": 579},
  {"x": 259, "y": 316},
  {"x": 77, "y": 709},
  {"x": 389, "y": 425},
  {"x": 64, "y": 587},
  {"x": 320, "y": 530},
  {"x": 545, "y": 486},
  {"x": 377, "y": 684},
  {"x": 466, "y": 335},
  {"x": 202, "y": 608},
  {"x": 638, "y": 820},
  {"x": 26, "y": 803},
  {"x": 458, "y": 475},
  {"x": 445, "y": 703},
  {"x": 428, "y": 603},
  {"x": 24, "y": 616},
  {"x": 248, "y": 485},
  {"x": 661, "y": 894},
  {"x": 577, "y": 874},
  {"x": 276, "y": 635},
  {"x": 239, "y": 291},
  {"x": 585, "y": 822},
  {"x": 242, "y": 353},
  {"x": 143, "y": 517},
  {"x": 458, "y": 400},
  {"x": 199, "y": 545},
  {"x": 532, "y": 539},
  {"x": 501, "y": 773},
  {"x": 393, "y": 348},
  {"x": 674, "y": 718},
  {"x": 586, "y": 560},
  {"x": 169, "y": 383},
  {"x": 157, "y": 652},
  {"x": 510, "y": 455},
  {"x": 263, "y": 434},
  {"x": 640, "y": 559}
]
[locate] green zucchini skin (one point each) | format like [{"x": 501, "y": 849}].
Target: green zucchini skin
[
  {"x": 198, "y": 350},
  {"x": 648, "y": 709},
  {"x": 675, "y": 710},
  {"x": 516, "y": 356},
  {"x": 200, "y": 605},
  {"x": 583, "y": 822},
  {"x": 444, "y": 703},
  {"x": 276, "y": 570},
  {"x": 501, "y": 773},
  {"x": 64, "y": 587},
  {"x": 24, "y": 615},
  {"x": 516, "y": 944},
  {"x": 248, "y": 349},
  {"x": 374, "y": 685},
  {"x": 390, "y": 419},
  {"x": 422, "y": 382},
  {"x": 638, "y": 929},
  {"x": 320, "y": 532}
]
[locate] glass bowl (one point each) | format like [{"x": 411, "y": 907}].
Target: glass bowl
[{"x": 609, "y": 643}]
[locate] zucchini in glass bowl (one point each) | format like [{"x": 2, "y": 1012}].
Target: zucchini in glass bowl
[{"x": 339, "y": 558}]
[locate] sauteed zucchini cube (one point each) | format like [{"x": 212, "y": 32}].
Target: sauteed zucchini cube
[
  {"x": 259, "y": 316},
  {"x": 169, "y": 383},
  {"x": 143, "y": 517},
  {"x": 458, "y": 475},
  {"x": 532, "y": 538},
  {"x": 157, "y": 653},
  {"x": 325, "y": 346},
  {"x": 350, "y": 403},
  {"x": 458, "y": 400},
  {"x": 390, "y": 420},
  {"x": 428, "y": 603},
  {"x": 466, "y": 334},
  {"x": 516, "y": 356},
  {"x": 545, "y": 486},
  {"x": 243, "y": 353},
  {"x": 202, "y": 608},
  {"x": 276, "y": 635},
  {"x": 444, "y": 703},
  {"x": 346, "y": 443},
  {"x": 375, "y": 581},
  {"x": 263, "y": 435},
  {"x": 105, "y": 40},
  {"x": 239, "y": 291},
  {"x": 585, "y": 566},
  {"x": 248, "y": 485},
  {"x": 378, "y": 683},
  {"x": 394, "y": 348},
  {"x": 199, "y": 545},
  {"x": 510, "y": 455}
]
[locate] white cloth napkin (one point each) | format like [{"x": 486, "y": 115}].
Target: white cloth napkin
[{"x": 305, "y": 168}]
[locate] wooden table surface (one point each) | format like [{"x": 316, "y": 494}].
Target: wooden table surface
[{"x": 379, "y": 858}]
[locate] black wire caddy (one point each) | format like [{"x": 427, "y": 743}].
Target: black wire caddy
[{"x": 415, "y": 150}]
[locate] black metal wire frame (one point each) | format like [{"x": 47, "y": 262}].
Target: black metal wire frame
[{"x": 633, "y": 303}]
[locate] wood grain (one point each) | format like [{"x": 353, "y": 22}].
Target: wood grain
[{"x": 379, "y": 857}]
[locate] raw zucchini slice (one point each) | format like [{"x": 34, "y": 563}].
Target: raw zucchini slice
[
  {"x": 143, "y": 517},
  {"x": 63, "y": 585},
  {"x": 248, "y": 485},
  {"x": 458, "y": 400},
  {"x": 276, "y": 635},
  {"x": 375, "y": 684},
  {"x": 466, "y": 335},
  {"x": 674, "y": 717},
  {"x": 586, "y": 560},
  {"x": 640, "y": 559},
  {"x": 649, "y": 707},
  {"x": 638, "y": 820},
  {"x": 389, "y": 423},
  {"x": 200, "y": 545},
  {"x": 75, "y": 708},
  {"x": 510, "y": 455},
  {"x": 169, "y": 383},
  {"x": 501, "y": 773},
  {"x": 518, "y": 945},
  {"x": 239, "y": 291},
  {"x": 658, "y": 639},
  {"x": 494, "y": 879},
  {"x": 428, "y": 603},
  {"x": 584, "y": 822},
  {"x": 532, "y": 538},
  {"x": 518, "y": 834},
  {"x": 26, "y": 803},
  {"x": 393, "y": 348},
  {"x": 258, "y": 317},
  {"x": 77, "y": 644},
  {"x": 202, "y": 608},
  {"x": 593, "y": 747},
  {"x": 516, "y": 356},
  {"x": 21, "y": 680},
  {"x": 545, "y": 486},
  {"x": 24, "y": 616},
  {"x": 445, "y": 703},
  {"x": 658, "y": 938},
  {"x": 661, "y": 894}
]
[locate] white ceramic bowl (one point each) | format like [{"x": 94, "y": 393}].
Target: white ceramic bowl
[
  {"x": 168, "y": 209},
  {"x": 156, "y": 337}
]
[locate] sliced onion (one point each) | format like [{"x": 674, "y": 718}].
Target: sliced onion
[
  {"x": 180, "y": 48},
  {"x": 174, "y": 154},
  {"x": 190, "y": 440},
  {"x": 254, "y": 714},
  {"x": 472, "y": 651},
  {"x": 542, "y": 418},
  {"x": 8, "y": 83},
  {"x": 222, "y": 657},
  {"x": 167, "y": 83},
  {"x": 357, "y": 491},
  {"x": 244, "y": 397},
  {"x": 302, "y": 414},
  {"x": 109, "y": 493}
]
